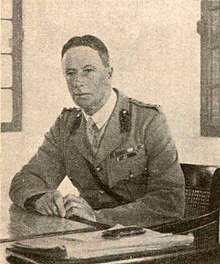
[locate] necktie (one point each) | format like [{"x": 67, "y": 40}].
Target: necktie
[{"x": 92, "y": 133}]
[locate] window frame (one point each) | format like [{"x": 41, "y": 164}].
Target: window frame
[
  {"x": 16, "y": 54},
  {"x": 210, "y": 38}
]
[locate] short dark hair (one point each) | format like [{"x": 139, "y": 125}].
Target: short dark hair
[{"x": 89, "y": 41}]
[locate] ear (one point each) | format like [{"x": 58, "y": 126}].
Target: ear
[{"x": 110, "y": 72}]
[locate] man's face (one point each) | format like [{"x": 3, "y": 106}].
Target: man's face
[{"x": 87, "y": 79}]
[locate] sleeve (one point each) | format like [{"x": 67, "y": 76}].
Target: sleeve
[
  {"x": 165, "y": 197},
  {"x": 44, "y": 171}
]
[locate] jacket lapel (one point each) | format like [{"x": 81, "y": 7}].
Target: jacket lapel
[
  {"x": 113, "y": 137},
  {"x": 80, "y": 141}
]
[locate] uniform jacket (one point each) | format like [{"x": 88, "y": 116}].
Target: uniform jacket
[{"x": 137, "y": 159}]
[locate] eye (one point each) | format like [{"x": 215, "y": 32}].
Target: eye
[
  {"x": 70, "y": 73},
  {"x": 88, "y": 70}
]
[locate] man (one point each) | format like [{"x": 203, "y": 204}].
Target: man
[{"x": 117, "y": 151}]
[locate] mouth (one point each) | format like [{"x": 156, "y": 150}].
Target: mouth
[{"x": 80, "y": 94}]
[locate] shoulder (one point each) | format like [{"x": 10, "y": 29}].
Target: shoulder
[
  {"x": 70, "y": 112},
  {"x": 70, "y": 117},
  {"x": 144, "y": 106},
  {"x": 147, "y": 113},
  {"x": 136, "y": 103}
]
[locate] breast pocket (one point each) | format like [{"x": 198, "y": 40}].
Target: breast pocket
[{"x": 129, "y": 173}]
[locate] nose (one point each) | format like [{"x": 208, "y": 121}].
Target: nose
[{"x": 78, "y": 80}]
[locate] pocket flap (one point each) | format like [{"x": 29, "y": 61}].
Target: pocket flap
[{"x": 126, "y": 166}]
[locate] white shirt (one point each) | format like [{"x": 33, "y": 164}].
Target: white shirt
[{"x": 102, "y": 116}]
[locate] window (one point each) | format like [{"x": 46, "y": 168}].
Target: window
[
  {"x": 11, "y": 65},
  {"x": 209, "y": 29}
]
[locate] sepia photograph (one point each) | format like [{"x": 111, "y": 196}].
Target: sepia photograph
[{"x": 110, "y": 131}]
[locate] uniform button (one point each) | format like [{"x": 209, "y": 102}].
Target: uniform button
[
  {"x": 98, "y": 168},
  {"x": 78, "y": 114},
  {"x": 131, "y": 175},
  {"x": 101, "y": 192}
]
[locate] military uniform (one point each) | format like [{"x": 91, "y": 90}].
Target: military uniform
[{"x": 136, "y": 159}]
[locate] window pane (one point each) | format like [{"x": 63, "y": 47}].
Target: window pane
[
  {"x": 6, "y": 78},
  {"x": 6, "y": 105},
  {"x": 6, "y": 6},
  {"x": 6, "y": 46}
]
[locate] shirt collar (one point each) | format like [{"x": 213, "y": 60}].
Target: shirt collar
[{"x": 102, "y": 116}]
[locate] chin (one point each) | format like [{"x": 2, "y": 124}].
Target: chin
[
  {"x": 81, "y": 101},
  {"x": 83, "y": 104}
]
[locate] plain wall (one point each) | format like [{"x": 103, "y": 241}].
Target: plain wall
[{"x": 155, "y": 52}]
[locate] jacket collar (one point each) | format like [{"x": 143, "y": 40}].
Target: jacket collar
[
  {"x": 102, "y": 116},
  {"x": 114, "y": 134}
]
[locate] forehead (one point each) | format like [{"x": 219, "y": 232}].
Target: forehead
[{"x": 80, "y": 56}]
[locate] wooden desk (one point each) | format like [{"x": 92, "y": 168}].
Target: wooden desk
[
  {"x": 17, "y": 224},
  {"x": 187, "y": 256},
  {"x": 202, "y": 256}
]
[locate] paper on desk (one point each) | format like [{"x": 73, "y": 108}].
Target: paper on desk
[{"x": 92, "y": 244}]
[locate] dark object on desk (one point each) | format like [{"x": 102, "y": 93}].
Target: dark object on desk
[{"x": 124, "y": 231}]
